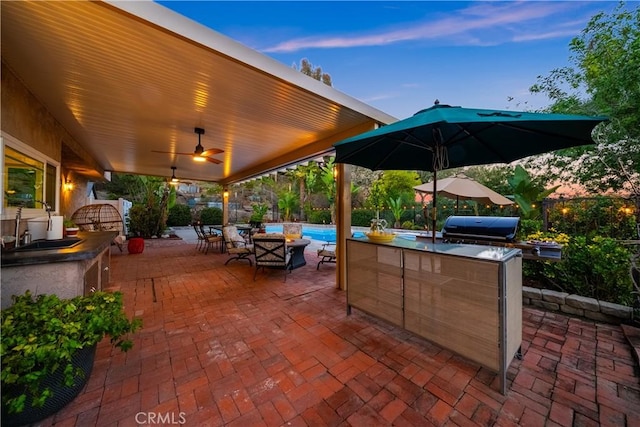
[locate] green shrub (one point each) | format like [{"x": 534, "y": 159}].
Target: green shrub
[
  {"x": 362, "y": 217},
  {"x": 211, "y": 216},
  {"x": 527, "y": 227},
  {"x": 596, "y": 268},
  {"x": 600, "y": 216},
  {"x": 40, "y": 335},
  {"x": 319, "y": 217},
  {"x": 408, "y": 225},
  {"x": 179, "y": 215},
  {"x": 145, "y": 221}
]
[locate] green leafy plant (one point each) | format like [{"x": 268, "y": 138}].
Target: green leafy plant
[
  {"x": 287, "y": 203},
  {"x": 211, "y": 216},
  {"x": 596, "y": 268},
  {"x": 526, "y": 191},
  {"x": 319, "y": 217},
  {"x": 40, "y": 335},
  {"x": 179, "y": 215},
  {"x": 68, "y": 223},
  {"x": 259, "y": 211},
  {"x": 144, "y": 221},
  {"x": 396, "y": 210}
]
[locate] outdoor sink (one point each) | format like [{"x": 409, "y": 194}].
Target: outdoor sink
[{"x": 40, "y": 245}]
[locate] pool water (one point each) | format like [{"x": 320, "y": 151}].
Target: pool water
[
  {"x": 315, "y": 233},
  {"x": 326, "y": 234}
]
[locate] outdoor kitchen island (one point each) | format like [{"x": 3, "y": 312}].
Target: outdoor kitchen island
[
  {"x": 66, "y": 272},
  {"x": 465, "y": 298}
]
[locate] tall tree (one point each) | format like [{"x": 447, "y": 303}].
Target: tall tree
[
  {"x": 308, "y": 69},
  {"x": 603, "y": 79}
]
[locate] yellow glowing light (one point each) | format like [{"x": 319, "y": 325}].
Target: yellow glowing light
[
  {"x": 68, "y": 185},
  {"x": 199, "y": 159}
]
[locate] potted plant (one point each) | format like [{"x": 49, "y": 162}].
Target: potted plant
[
  {"x": 70, "y": 227},
  {"x": 257, "y": 217},
  {"x": 47, "y": 349}
]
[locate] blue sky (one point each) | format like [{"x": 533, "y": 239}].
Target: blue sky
[{"x": 400, "y": 56}]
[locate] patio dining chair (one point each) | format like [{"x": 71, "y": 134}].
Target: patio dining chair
[
  {"x": 236, "y": 245},
  {"x": 271, "y": 251},
  {"x": 211, "y": 239}
]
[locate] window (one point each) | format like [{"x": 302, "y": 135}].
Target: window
[{"x": 27, "y": 177}]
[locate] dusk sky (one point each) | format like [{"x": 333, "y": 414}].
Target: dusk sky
[{"x": 401, "y": 56}]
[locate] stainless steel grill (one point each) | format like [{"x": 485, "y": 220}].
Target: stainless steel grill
[
  {"x": 480, "y": 229},
  {"x": 496, "y": 231}
]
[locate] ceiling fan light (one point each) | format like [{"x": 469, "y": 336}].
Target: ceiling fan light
[{"x": 199, "y": 159}]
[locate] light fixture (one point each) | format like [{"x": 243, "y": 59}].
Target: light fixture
[
  {"x": 174, "y": 180},
  {"x": 68, "y": 185},
  {"x": 225, "y": 194},
  {"x": 198, "y": 157}
]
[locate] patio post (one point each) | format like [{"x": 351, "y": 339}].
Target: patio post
[
  {"x": 225, "y": 206},
  {"x": 343, "y": 221}
]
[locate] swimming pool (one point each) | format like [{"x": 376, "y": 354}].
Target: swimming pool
[{"x": 326, "y": 234}]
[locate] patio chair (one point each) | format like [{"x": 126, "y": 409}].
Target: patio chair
[
  {"x": 236, "y": 246},
  {"x": 292, "y": 230},
  {"x": 211, "y": 238},
  {"x": 327, "y": 253},
  {"x": 201, "y": 238},
  {"x": 271, "y": 251}
]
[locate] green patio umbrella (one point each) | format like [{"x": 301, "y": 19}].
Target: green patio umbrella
[{"x": 444, "y": 137}]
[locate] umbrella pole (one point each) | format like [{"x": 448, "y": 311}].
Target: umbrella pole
[{"x": 433, "y": 214}]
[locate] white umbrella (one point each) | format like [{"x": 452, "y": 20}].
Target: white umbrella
[{"x": 462, "y": 187}]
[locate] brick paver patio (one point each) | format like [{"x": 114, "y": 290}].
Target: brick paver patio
[{"x": 218, "y": 348}]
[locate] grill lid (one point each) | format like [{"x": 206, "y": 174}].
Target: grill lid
[{"x": 481, "y": 227}]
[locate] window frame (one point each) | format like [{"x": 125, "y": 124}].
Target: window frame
[{"x": 9, "y": 212}]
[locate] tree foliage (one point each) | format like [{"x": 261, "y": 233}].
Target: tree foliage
[
  {"x": 527, "y": 191},
  {"x": 308, "y": 69},
  {"x": 603, "y": 79}
]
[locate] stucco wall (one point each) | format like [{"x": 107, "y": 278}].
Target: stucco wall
[{"x": 27, "y": 120}]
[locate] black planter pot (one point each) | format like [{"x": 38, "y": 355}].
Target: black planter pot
[{"x": 62, "y": 395}]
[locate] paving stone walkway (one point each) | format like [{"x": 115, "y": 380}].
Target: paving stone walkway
[{"x": 220, "y": 349}]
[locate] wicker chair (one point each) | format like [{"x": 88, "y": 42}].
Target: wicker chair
[
  {"x": 271, "y": 251},
  {"x": 100, "y": 217}
]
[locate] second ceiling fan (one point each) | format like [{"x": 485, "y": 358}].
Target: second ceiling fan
[{"x": 199, "y": 154}]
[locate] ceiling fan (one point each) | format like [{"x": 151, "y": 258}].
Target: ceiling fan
[{"x": 199, "y": 154}]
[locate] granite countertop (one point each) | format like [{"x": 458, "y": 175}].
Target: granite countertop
[
  {"x": 91, "y": 245},
  {"x": 489, "y": 253}
]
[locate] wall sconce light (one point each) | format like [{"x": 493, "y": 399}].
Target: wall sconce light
[
  {"x": 68, "y": 185},
  {"x": 174, "y": 180},
  {"x": 335, "y": 172},
  {"x": 225, "y": 194}
]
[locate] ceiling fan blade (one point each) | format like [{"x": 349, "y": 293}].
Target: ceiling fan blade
[
  {"x": 171, "y": 152},
  {"x": 212, "y": 160},
  {"x": 211, "y": 151}
]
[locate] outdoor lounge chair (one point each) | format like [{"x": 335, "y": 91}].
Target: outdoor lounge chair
[
  {"x": 271, "y": 251},
  {"x": 327, "y": 253},
  {"x": 236, "y": 245}
]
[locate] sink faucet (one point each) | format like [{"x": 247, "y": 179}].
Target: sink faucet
[
  {"x": 47, "y": 207},
  {"x": 18, "y": 217}
]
